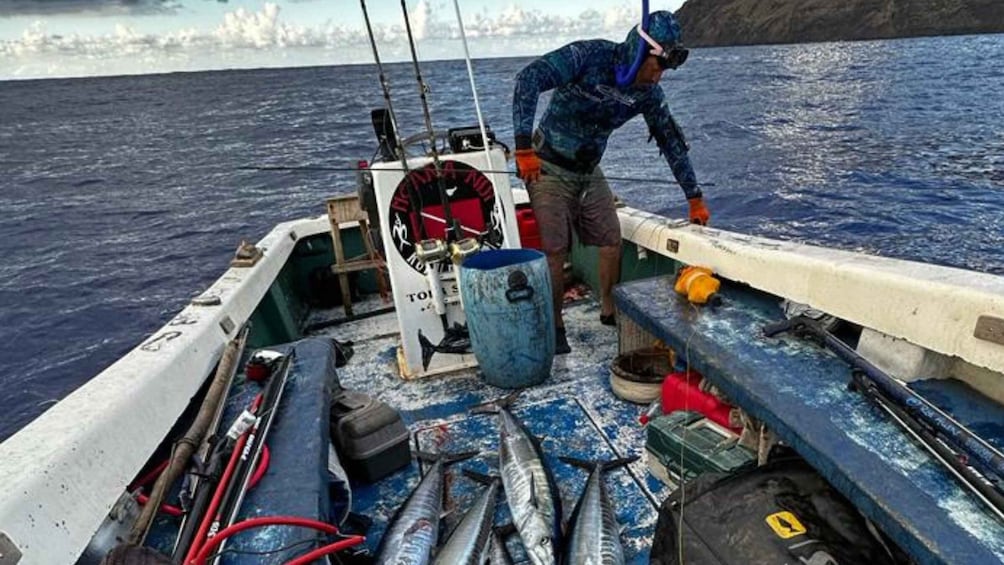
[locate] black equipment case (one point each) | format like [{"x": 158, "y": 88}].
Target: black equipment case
[{"x": 371, "y": 437}]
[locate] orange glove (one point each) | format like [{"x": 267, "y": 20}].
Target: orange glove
[
  {"x": 527, "y": 165},
  {"x": 698, "y": 211}
]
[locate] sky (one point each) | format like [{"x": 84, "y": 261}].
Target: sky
[{"x": 72, "y": 38}]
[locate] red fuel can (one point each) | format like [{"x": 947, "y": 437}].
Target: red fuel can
[
  {"x": 529, "y": 231},
  {"x": 680, "y": 391}
]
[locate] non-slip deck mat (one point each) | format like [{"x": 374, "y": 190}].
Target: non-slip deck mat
[{"x": 573, "y": 412}]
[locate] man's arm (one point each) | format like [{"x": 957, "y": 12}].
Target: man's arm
[
  {"x": 551, "y": 70},
  {"x": 672, "y": 144}
]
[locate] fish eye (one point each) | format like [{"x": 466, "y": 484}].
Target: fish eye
[{"x": 545, "y": 541}]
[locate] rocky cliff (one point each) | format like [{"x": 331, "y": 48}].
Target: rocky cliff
[{"x": 746, "y": 22}]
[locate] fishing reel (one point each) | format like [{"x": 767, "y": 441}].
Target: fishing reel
[
  {"x": 261, "y": 365},
  {"x": 464, "y": 248},
  {"x": 430, "y": 251}
]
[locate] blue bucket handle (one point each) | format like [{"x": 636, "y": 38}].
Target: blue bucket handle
[{"x": 519, "y": 287}]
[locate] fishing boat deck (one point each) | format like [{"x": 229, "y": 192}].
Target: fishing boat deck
[
  {"x": 799, "y": 390},
  {"x": 574, "y": 413}
]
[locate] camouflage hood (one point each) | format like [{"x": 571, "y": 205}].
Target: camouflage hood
[{"x": 662, "y": 27}]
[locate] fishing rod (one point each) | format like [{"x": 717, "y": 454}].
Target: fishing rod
[
  {"x": 982, "y": 488},
  {"x": 233, "y": 497},
  {"x": 952, "y": 443},
  {"x": 193, "y": 528},
  {"x": 485, "y": 144},
  {"x": 414, "y": 199},
  {"x": 184, "y": 448},
  {"x": 319, "y": 168},
  {"x": 452, "y": 230},
  {"x": 208, "y": 457}
]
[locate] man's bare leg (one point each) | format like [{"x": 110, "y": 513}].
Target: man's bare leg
[
  {"x": 556, "y": 264},
  {"x": 610, "y": 273}
]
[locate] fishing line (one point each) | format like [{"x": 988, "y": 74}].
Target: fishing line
[
  {"x": 320, "y": 168},
  {"x": 474, "y": 88},
  {"x": 686, "y": 402},
  {"x": 451, "y": 226},
  {"x": 414, "y": 196}
]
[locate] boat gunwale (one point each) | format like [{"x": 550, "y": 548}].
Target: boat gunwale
[{"x": 66, "y": 469}]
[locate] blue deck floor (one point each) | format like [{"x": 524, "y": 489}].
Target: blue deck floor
[{"x": 574, "y": 413}]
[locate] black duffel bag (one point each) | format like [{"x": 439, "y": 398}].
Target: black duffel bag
[{"x": 783, "y": 512}]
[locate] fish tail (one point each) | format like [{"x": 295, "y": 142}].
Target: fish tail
[
  {"x": 505, "y": 530},
  {"x": 451, "y": 458},
  {"x": 615, "y": 463},
  {"x": 493, "y": 406},
  {"x": 481, "y": 477},
  {"x": 589, "y": 465},
  {"x": 428, "y": 350},
  {"x": 446, "y": 457}
]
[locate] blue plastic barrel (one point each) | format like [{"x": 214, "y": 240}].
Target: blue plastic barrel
[{"x": 508, "y": 303}]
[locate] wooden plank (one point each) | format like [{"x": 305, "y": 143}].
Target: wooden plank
[
  {"x": 336, "y": 209},
  {"x": 354, "y": 266}
]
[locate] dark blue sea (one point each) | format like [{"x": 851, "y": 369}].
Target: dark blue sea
[{"x": 122, "y": 197}]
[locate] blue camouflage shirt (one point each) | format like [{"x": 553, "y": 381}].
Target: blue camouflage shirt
[{"x": 587, "y": 106}]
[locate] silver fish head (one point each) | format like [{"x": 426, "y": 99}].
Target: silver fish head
[
  {"x": 536, "y": 535},
  {"x": 507, "y": 423}
]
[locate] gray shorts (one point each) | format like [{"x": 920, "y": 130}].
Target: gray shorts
[{"x": 563, "y": 200}]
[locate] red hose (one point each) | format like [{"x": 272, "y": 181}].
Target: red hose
[
  {"x": 207, "y": 519},
  {"x": 259, "y": 471},
  {"x": 166, "y": 508},
  {"x": 207, "y": 548},
  {"x": 171, "y": 510},
  {"x": 327, "y": 550},
  {"x": 200, "y": 535},
  {"x": 149, "y": 477}
]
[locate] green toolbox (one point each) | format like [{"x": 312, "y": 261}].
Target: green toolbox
[{"x": 686, "y": 444}]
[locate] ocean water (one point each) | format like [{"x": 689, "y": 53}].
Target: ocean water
[{"x": 122, "y": 197}]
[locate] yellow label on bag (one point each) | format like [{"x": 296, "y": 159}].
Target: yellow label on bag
[{"x": 785, "y": 525}]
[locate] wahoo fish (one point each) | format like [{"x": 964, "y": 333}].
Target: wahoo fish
[
  {"x": 468, "y": 544},
  {"x": 497, "y": 552},
  {"x": 594, "y": 536},
  {"x": 534, "y": 500},
  {"x": 414, "y": 529}
]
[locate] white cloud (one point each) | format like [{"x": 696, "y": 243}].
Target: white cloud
[
  {"x": 420, "y": 18},
  {"x": 90, "y": 7},
  {"x": 261, "y": 38}
]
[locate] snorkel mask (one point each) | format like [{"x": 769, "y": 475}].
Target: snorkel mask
[
  {"x": 658, "y": 34},
  {"x": 669, "y": 56}
]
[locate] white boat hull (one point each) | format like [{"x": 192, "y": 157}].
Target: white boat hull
[
  {"x": 934, "y": 307},
  {"x": 64, "y": 471}
]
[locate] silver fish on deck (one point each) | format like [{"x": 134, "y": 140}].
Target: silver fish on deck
[
  {"x": 414, "y": 529},
  {"x": 533, "y": 497},
  {"x": 497, "y": 552},
  {"x": 594, "y": 534},
  {"x": 469, "y": 541}
]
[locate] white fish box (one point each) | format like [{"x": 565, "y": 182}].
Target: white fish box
[{"x": 411, "y": 210}]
